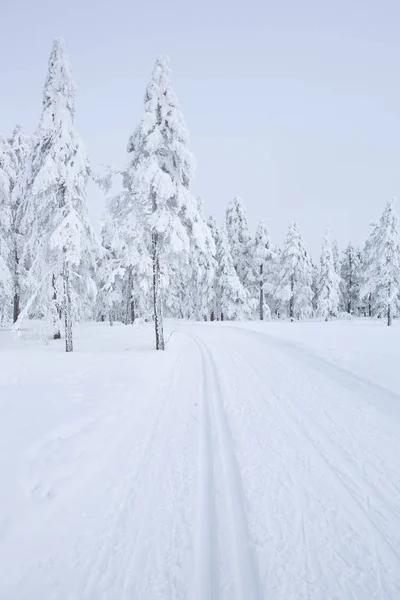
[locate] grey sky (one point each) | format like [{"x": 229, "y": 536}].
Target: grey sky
[{"x": 295, "y": 106}]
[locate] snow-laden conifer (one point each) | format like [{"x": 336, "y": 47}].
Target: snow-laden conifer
[
  {"x": 295, "y": 275},
  {"x": 6, "y": 178},
  {"x": 350, "y": 279},
  {"x": 158, "y": 179},
  {"x": 60, "y": 245},
  {"x": 264, "y": 259},
  {"x": 232, "y": 300},
  {"x": 328, "y": 293},
  {"x": 382, "y": 265},
  {"x": 239, "y": 240}
]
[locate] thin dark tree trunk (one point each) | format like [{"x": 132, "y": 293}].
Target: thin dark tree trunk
[
  {"x": 130, "y": 310},
  {"x": 350, "y": 285},
  {"x": 67, "y": 309},
  {"x": 370, "y": 305},
  {"x": 16, "y": 307},
  {"x": 222, "y": 316},
  {"x": 55, "y": 311},
  {"x": 212, "y": 316},
  {"x": 389, "y": 310},
  {"x": 110, "y": 317},
  {"x": 261, "y": 293},
  {"x": 158, "y": 318},
  {"x": 291, "y": 301}
]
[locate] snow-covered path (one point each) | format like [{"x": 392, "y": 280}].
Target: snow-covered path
[{"x": 250, "y": 468}]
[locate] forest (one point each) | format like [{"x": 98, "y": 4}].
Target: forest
[{"x": 158, "y": 254}]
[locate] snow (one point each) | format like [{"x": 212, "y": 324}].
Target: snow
[{"x": 248, "y": 461}]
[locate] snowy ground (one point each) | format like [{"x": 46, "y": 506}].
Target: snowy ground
[{"x": 248, "y": 461}]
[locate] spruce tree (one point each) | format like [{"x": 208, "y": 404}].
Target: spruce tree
[
  {"x": 239, "y": 240},
  {"x": 232, "y": 300},
  {"x": 61, "y": 247},
  {"x": 295, "y": 275},
  {"x": 158, "y": 179},
  {"x": 263, "y": 257},
  {"x": 382, "y": 265},
  {"x": 350, "y": 279},
  {"x": 328, "y": 294},
  {"x": 6, "y": 176}
]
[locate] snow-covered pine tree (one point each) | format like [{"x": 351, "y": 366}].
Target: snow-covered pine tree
[
  {"x": 328, "y": 296},
  {"x": 128, "y": 257},
  {"x": 159, "y": 178},
  {"x": 239, "y": 240},
  {"x": 295, "y": 275},
  {"x": 6, "y": 178},
  {"x": 263, "y": 260},
  {"x": 350, "y": 279},
  {"x": 199, "y": 296},
  {"x": 382, "y": 265},
  {"x": 21, "y": 149},
  {"x": 232, "y": 300},
  {"x": 367, "y": 260},
  {"x": 110, "y": 275},
  {"x": 61, "y": 246}
]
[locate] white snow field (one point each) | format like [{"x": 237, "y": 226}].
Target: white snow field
[{"x": 248, "y": 461}]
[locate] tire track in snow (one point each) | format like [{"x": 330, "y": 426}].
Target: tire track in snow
[{"x": 245, "y": 573}]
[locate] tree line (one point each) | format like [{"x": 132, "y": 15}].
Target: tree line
[{"x": 157, "y": 252}]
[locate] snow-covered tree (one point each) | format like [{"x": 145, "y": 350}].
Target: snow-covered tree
[
  {"x": 6, "y": 177},
  {"x": 232, "y": 301},
  {"x": 382, "y": 265},
  {"x": 128, "y": 257},
  {"x": 263, "y": 261},
  {"x": 199, "y": 295},
  {"x": 20, "y": 145},
  {"x": 239, "y": 241},
  {"x": 350, "y": 279},
  {"x": 328, "y": 293},
  {"x": 61, "y": 247},
  {"x": 159, "y": 179},
  {"x": 295, "y": 275}
]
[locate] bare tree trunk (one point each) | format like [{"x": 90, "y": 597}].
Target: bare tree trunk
[
  {"x": 130, "y": 309},
  {"x": 389, "y": 310},
  {"x": 261, "y": 293},
  {"x": 67, "y": 309},
  {"x": 55, "y": 311},
  {"x": 212, "y": 316},
  {"x": 158, "y": 317},
  {"x": 291, "y": 301},
  {"x": 110, "y": 316},
  {"x": 370, "y": 305},
  {"x": 16, "y": 307}
]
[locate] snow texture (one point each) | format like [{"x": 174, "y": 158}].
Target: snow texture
[{"x": 261, "y": 462}]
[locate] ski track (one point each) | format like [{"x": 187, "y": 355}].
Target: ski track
[
  {"x": 264, "y": 472},
  {"x": 243, "y": 569},
  {"x": 322, "y": 451}
]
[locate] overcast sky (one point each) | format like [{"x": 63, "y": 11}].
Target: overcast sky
[{"x": 294, "y": 106}]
